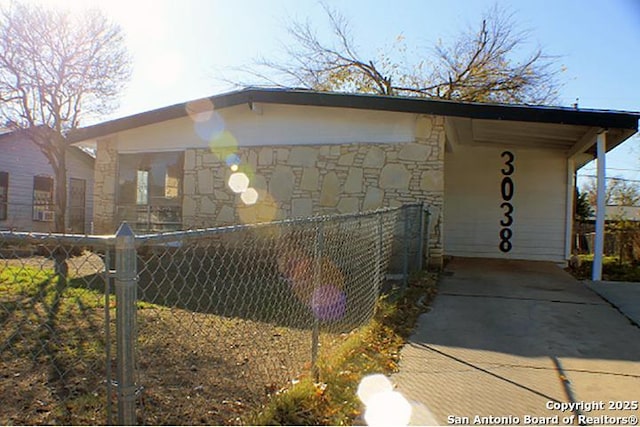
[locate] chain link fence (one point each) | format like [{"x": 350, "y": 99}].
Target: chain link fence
[
  {"x": 205, "y": 324},
  {"x": 622, "y": 244},
  {"x": 54, "y": 329},
  {"x": 40, "y": 218}
]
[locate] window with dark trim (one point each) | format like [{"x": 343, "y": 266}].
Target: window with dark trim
[
  {"x": 4, "y": 195},
  {"x": 43, "y": 208},
  {"x": 150, "y": 190}
]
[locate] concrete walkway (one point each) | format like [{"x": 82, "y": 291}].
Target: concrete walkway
[
  {"x": 624, "y": 296},
  {"x": 517, "y": 339}
]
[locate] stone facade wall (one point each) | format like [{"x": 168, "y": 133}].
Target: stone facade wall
[
  {"x": 298, "y": 181},
  {"x": 302, "y": 180},
  {"x": 104, "y": 190}
]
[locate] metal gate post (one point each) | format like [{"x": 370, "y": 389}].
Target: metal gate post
[{"x": 126, "y": 296}]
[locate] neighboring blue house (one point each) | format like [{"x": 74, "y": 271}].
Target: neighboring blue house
[{"x": 27, "y": 187}]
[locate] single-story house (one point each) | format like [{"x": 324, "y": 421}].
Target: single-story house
[
  {"x": 27, "y": 187},
  {"x": 622, "y": 213},
  {"x": 498, "y": 179}
]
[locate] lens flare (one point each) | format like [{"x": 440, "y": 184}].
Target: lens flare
[
  {"x": 372, "y": 385},
  {"x": 298, "y": 270},
  {"x": 250, "y": 196},
  {"x": 223, "y": 145},
  {"x": 232, "y": 160},
  {"x": 327, "y": 298},
  {"x": 200, "y": 110},
  {"x": 238, "y": 182},
  {"x": 328, "y": 303},
  {"x": 388, "y": 408},
  {"x": 210, "y": 129},
  {"x": 264, "y": 210}
]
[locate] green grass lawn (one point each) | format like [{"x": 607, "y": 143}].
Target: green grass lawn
[{"x": 52, "y": 349}]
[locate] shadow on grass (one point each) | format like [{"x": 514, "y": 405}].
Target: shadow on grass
[
  {"x": 54, "y": 336},
  {"x": 257, "y": 288}
]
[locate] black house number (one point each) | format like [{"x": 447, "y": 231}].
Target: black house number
[{"x": 507, "y": 189}]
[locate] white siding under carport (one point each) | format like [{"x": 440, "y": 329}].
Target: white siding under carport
[{"x": 473, "y": 198}]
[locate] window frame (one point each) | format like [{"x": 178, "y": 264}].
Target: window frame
[
  {"x": 46, "y": 206},
  {"x": 149, "y": 193}
]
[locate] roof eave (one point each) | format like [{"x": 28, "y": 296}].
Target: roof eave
[{"x": 604, "y": 119}]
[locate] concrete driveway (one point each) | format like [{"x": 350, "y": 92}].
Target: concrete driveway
[{"x": 520, "y": 339}]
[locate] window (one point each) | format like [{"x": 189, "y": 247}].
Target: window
[
  {"x": 172, "y": 182},
  {"x": 43, "y": 209},
  {"x": 4, "y": 193},
  {"x": 150, "y": 190},
  {"x": 142, "y": 187}
]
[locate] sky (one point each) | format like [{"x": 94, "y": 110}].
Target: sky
[{"x": 185, "y": 49}]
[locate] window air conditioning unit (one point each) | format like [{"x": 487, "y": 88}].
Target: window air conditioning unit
[{"x": 46, "y": 216}]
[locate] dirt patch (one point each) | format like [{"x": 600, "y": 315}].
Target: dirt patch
[{"x": 192, "y": 367}]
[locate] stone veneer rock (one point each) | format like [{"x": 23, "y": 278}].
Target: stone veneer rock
[
  {"x": 302, "y": 180},
  {"x": 105, "y": 175}
]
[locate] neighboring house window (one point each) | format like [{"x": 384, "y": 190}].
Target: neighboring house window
[
  {"x": 43, "y": 209},
  {"x": 150, "y": 190},
  {"x": 4, "y": 194}
]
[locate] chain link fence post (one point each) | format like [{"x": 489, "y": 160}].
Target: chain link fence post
[
  {"x": 125, "y": 286},
  {"x": 379, "y": 248},
  {"x": 427, "y": 230},
  {"x": 421, "y": 215},
  {"x": 317, "y": 275},
  {"x": 108, "y": 257},
  {"x": 407, "y": 242}
]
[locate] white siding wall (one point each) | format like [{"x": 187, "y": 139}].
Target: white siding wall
[
  {"x": 23, "y": 160},
  {"x": 472, "y": 211},
  {"x": 272, "y": 125}
]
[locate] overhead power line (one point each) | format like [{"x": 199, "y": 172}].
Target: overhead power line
[
  {"x": 612, "y": 178},
  {"x": 613, "y": 169}
]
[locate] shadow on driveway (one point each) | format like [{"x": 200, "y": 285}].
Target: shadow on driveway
[{"x": 518, "y": 338}]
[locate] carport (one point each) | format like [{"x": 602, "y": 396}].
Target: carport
[
  {"x": 510, "y": 339},
  {"x": 510, "y": 179}
]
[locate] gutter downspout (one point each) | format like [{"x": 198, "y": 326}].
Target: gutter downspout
[{"x": 598, "y": 250}]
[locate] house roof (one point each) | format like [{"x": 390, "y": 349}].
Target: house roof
[
  {"x": 7, "y": 135},
  {"x": 524, "y": 113}
]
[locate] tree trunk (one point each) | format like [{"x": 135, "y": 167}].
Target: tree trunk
[{"x": 60, "y": 198}]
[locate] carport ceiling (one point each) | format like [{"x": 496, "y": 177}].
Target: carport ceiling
[{"x": 519, "y": 134}]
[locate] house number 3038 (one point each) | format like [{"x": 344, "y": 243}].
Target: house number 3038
[{"x": 506, "y": 190}]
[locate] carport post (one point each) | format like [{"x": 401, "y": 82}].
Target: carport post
[{"x": 598, "y": 250}]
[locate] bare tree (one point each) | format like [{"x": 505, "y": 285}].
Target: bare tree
[
  {"x": 57, "y": 68},
  {"x": 485, "y": 64},
  {"x": 618, "y": 191}
]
